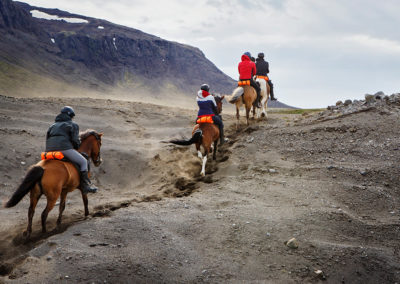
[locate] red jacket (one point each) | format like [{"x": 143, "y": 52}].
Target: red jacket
[{"x": 247, "y": 68}]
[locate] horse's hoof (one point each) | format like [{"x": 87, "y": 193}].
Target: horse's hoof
[
  {"x": 263, "y": 115},
  {"x": 24, "y": 233}
]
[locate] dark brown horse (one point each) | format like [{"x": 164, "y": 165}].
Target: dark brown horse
[
  {"x": 204, "y": 134},
  {"x": 55, "y": 178}
]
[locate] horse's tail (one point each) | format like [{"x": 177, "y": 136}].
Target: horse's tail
[
  {"x": 34, "y": 174},
  {"x": 197, "y": 135},
  {"x": 235, "y": 95}
]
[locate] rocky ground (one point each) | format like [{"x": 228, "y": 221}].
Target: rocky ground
[{"x": 330, "y": 180}]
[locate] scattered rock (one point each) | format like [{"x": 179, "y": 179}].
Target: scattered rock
[
  {"x": 348, "y": 102},
  {"x": 292, "y": 243},
  {"x": 320, "y": 274},
  {"x": 339, "y": 103},
  {"x": 272, "y": 171}
]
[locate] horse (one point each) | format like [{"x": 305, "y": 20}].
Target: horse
[
  {"x": 265, "y": 93},
  {"x": 55, "y": 178},
  {"x": 204, "y": 134},
  {"x": 243, "y": 96}
]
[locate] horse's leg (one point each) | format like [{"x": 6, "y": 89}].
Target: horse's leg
[
  {"x": 62, "y": 206},
  {"x": 203, "y": 167},
  {"x": 51, "y": 201},
  {"x": 34, "y": 197},
  {"x": 215, "y": 149},
  {"x": 237, "y": 117},
  {"x": 247, "y": 114},
  {"x": 198, "y": 150},
  {"x": 85, "y": 203}
]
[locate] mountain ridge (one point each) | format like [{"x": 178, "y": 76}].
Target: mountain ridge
[{"x": 96, "y": 57}]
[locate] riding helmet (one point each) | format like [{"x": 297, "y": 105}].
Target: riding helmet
[
  {"x": 248, "y": 54},
  {"x": 261, "y": 55},
  {"x": 68, "y": 110},
  {"x": 205, "y": 87}
]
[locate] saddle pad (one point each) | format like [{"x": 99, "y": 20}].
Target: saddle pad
[
  {"x": 244, "y": 83},
  {"x": 52, "y": 156},
  {"x": 205, "y": 119},
  {"x": 263, "y": 77}
]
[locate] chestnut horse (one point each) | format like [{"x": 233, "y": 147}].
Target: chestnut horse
[
  {"x": 265, "y": 93},
  {"x": 243, "y": 96},
  {"x": 54, "y": 178},
  {"x": 204, "y": 134}
]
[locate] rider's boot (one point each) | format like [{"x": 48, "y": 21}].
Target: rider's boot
[
  {"x": 222, "y": 138},
  {"x": 86, "y": 185},
  {"x": 271, "y": 86},
  {"x": 257, "y": 102}
]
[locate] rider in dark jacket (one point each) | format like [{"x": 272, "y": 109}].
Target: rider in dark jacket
[
  {"x": 208, "y": 107},
  {"x": 63, "y": 136},
  {"x": 263, "y": 69}
]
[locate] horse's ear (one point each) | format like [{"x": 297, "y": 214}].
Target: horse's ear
[
  {"x": 222, "y": 97},
  {"x": 100, "y": 134}
]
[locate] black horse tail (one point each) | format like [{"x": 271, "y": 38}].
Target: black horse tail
[
  {"x": 32, "y": 177},
  {"x": 197, "y": 135}
]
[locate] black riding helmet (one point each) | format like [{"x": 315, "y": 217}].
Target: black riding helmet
[
  {"x": 205, "y": 87},
  {"x": 68, "y": 110},
  {"x": 261, "y": 55}
]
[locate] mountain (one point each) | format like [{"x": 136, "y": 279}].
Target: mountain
[
  {"x": 83, "y": 54},
  {"x": 49, "y": 52}
]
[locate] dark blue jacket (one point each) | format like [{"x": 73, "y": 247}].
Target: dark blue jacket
[
  {"x": 206, "y": 103},
  {"x": 63, "y": 134},
  {"x": 262, "y": 67}
]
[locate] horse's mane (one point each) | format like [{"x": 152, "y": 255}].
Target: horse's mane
[{"x": 87, "y": 133}]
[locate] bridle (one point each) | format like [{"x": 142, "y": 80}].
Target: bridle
[{"x": 98, "y": 139}]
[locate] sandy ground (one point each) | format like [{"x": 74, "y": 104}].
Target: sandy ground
[{"x": 332, "y": 184}]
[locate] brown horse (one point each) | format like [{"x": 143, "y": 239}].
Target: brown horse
[
  {"x": 243, "y": 96},
  {"x": 54, "y": 178},
  {"x": 204, "y": 134}
]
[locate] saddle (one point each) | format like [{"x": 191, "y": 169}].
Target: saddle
[
  {"x": 56, "y": 155},
  {"x": 205, "y": 119},
  {"x": 244, "y": 83}
]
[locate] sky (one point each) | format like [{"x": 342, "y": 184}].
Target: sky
[{"x": 319, "y": 51}]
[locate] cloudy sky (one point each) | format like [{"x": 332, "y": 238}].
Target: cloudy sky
[{"x": 319, "y": 51}]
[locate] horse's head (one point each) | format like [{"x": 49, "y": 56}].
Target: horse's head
[
  {"x": 218, "y": 100},
  {"x": 91, "y": 143}
]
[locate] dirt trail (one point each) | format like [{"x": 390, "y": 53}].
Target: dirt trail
[{"x": 155, "y": 220}]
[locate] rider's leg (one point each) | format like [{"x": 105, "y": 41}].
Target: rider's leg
[
  {"x": 271, "y": 86},
  {"x": 258, "y": 90},
  {"x": 75, "y": 157},
  {"x": 218, "y": 121}
]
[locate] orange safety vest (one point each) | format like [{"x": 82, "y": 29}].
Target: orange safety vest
[{"x": 52, "y": 156}]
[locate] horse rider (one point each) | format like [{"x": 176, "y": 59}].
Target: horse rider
[
  {"x": 208, "y": 107},
  {"x": 262, "y": 70},
  {"x": 63, "y": 136},
  {"x": 247, "y": 69}
]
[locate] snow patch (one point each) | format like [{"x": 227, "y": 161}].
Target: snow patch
[
  {"x": 100, "y": 27},
  {"x": 52, "y": 40},
  {"x": 115, "y": 44},
  {"x": 43, "y": 15}
]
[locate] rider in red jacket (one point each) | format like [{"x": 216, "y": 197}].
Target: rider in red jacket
[{"x": 247, "y": 69}]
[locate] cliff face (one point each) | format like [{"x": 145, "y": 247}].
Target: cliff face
[{"x": 100, "y": 55}]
